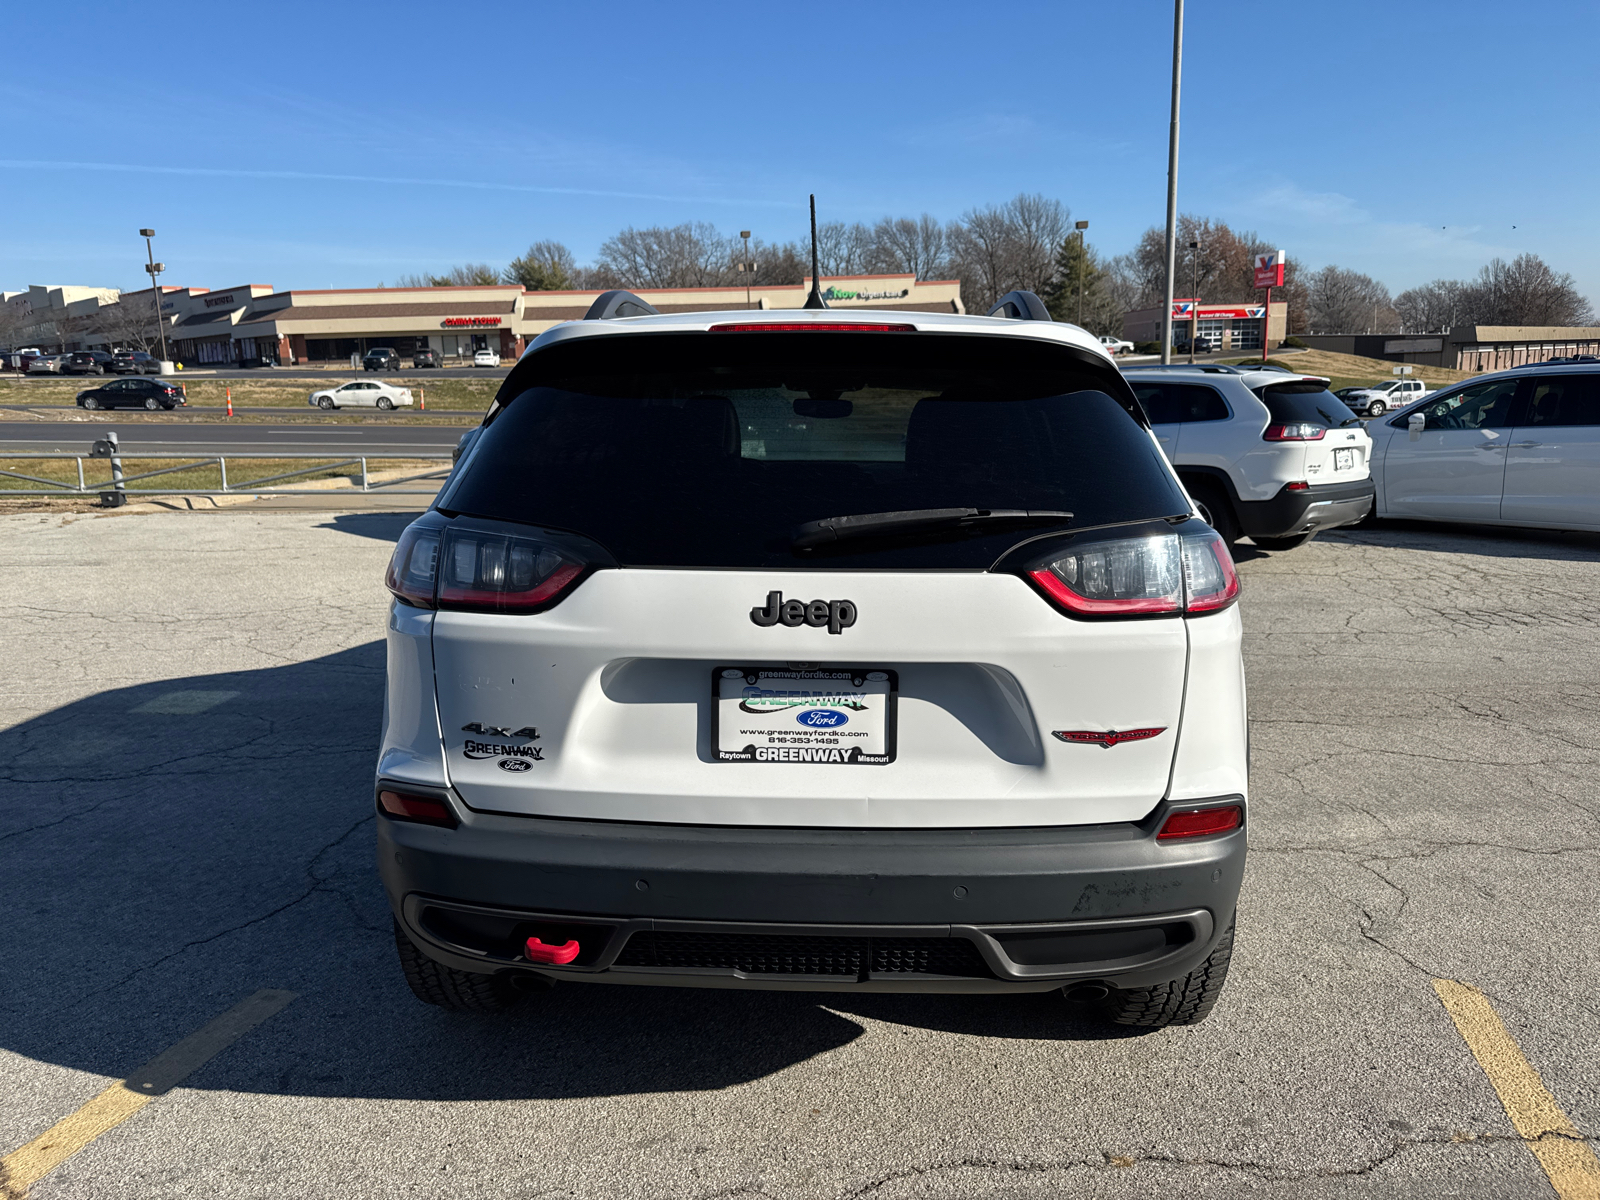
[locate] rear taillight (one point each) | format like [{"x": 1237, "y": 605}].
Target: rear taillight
[
  {"x": 1200, "y": 822},
  {"x": 1166, "y": 573},
  {"x": 480, "y": 571},
  {"x": 1132, "y": 575},
  {"x": 1295, "y": 431},
  {"x": 425, "y": 809},
  {"x": 1209, "y": 579}
]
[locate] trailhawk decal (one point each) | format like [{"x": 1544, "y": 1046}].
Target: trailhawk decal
[
  {"x": 1107, "y": 738},
  {"x": 841, "y": 716}
]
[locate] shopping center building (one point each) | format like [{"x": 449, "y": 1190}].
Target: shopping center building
[
  {"x": 253, "y": 322},
  {"x": 1238, "y": 325}
]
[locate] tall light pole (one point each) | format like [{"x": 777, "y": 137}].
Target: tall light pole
[
  {"x": 1194, "y": 291},
  {"x": 1172, "y": 179},
  {"x": 1083, "y": 256},
  {"x": 154, "y": 269},
  {"x": 746, "y": 266}
]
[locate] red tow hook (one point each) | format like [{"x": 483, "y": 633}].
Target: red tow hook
[{"x": 538, "y": 952}]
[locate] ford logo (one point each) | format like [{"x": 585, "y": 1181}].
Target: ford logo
[
  {"x": 822, "y": 718},
  {"x": 515, "y": 764}
]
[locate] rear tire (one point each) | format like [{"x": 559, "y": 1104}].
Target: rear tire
[
  {"x": 1216, "y": 509},
  {"x": 1283, "y": 543},
  {"x": 152, "y": 403},
  {"x": 442, "y": 986},
  {"x": 385, "y": 404},
  {"x": 1185, "y": 1001}
]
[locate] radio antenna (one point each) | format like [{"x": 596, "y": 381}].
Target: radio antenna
[{"x": 814, "y": 300}]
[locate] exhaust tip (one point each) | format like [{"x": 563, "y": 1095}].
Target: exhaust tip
[{"x": 1085, "y": 993}]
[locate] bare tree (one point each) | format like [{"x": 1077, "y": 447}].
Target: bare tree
[
  {"x": 546, "y": 267},
  {"x": 843, "y": 249},
  {"x": 901, "y": 245},
  {"x": 1431, "y": 308},
  {"x": 466, "y": 275},
  {"x": 689, "y": 255},
  {"x": 1012, "y": 245},
  {"x": 1343, "y": 301},
  {"x": 130, "y": 324}
]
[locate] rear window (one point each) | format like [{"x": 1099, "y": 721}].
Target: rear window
[
  {"x": 708, "y": 450},
  {"x": 1178, "y": 403},
  {"x": 1312, "y": 402}
]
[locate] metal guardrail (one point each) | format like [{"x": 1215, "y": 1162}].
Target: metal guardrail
[{"x": 119, "y": 491}]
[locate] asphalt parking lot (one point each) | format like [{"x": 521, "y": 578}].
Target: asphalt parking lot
[{"x": 187, "y": 727}]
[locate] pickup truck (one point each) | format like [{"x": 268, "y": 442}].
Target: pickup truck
[
  {"x": 1115, "y": 346},
  {"x": 1390, "y": 394}
]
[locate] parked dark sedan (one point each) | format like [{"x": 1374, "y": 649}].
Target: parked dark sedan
[
  {"x": 133, "y": 393},
  {"x": 381, "y": 358},
  {"x": 425, "y": 358},
  {"x": 86, "y": 362},
  {"x": 134, "y": 362}
]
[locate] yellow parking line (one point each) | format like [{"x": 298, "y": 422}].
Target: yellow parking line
[
  {"x": 24, "y": 1167},
  {"x": 1573, "y": 1169}
]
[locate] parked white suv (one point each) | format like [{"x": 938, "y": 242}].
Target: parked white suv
[
  {"x": 1266, "y": 454},
  {"x": 851, "y": 651}
]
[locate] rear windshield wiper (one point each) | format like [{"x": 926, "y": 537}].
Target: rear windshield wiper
[{"x": 915, "y": 520}]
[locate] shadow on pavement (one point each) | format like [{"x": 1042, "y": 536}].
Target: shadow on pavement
[
  {"x": 169, "y": 848},
  {"x": 383, "y": 526},
  {"x": 1494, "y": 541}
]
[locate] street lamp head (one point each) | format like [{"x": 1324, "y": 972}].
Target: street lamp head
[
  {"x": 147, "y": 233},
  {"x": 1194, "y": 245},
  {"x": 1081, "y": 225},
  {"x": 744, "y": 233}
]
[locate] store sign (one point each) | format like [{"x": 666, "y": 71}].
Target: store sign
[
  {"x": 470, "y": 322},
  {"x": 1269, "y": 269},
  {"x": 1189, "y": 310},
  {"x": 215, "y": 301},
  {"x": 838, "y": 294}
]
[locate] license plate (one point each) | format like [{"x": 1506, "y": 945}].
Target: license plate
[
  {"x": 1344, "y": 460},
  {"x": 842, "y": 716}
]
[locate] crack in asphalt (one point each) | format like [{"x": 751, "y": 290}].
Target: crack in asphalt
[
  {"x": 317, "y": 885},
  {"x": 1124, "y": 1160}
]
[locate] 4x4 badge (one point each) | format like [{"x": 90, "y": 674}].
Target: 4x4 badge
[
  {"x": 837, "y": 615},
  {"x": 527, "y": 731},
  {"x": 1106, "y": 738}
]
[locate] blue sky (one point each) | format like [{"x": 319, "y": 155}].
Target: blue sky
[{"x": 345, "y": 144}]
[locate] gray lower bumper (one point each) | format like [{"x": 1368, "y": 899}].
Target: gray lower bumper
[{"x": 814, "y": 909}]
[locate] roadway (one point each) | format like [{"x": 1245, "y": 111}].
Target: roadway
[
  {"x": 75, "y": 437},
  {"x": 187, "y": 737}
]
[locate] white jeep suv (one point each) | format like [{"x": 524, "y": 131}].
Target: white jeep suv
[
  {"x": 1265, "y": 453},
  {"x": 837, "y": 651}
]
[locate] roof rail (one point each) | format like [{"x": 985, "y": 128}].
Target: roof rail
[
  {"x": 1020, "y": 306},
  {"x": 618, "y": 303}
]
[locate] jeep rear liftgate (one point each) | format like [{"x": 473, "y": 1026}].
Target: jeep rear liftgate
[{"x": 962, "y": 738}]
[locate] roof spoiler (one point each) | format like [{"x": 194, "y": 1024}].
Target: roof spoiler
[
  {"x": 1020, "y": 306},
  {"x": 618, "y": 303}
]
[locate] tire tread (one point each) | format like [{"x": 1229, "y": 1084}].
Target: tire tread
[
  {"x": 461, "y": 991},
  {"x": 1185, "y": 1001}
]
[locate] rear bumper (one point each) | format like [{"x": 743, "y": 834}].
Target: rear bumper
[
  {"x": 988, "y": 910},
  {"x": 1320, "y": 506}
]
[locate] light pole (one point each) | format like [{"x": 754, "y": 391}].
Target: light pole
[
  {"x": 746, "y": 266},
  {"x": 1083, "y": 255},
  {"x": 1172, "y": 179},
  {"x": 1194, "y": 291},
  {"x": 154, "y": 269}
]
